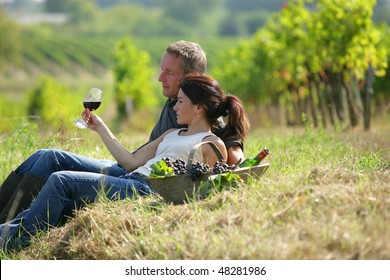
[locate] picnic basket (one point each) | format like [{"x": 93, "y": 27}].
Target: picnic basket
[{"x": 180, "y": 189}]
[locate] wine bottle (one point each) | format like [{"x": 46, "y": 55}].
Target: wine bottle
[{"x": 251, "y": 161}]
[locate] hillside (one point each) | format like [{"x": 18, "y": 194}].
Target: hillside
[{"x": 325, "y": 196}]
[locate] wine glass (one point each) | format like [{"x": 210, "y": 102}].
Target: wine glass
[{"x": 92, "y": 101}]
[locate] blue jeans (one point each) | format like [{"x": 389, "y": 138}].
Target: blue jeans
[
  {"x": 45, "y": 162},
  {"x": 66, "y": 191}
]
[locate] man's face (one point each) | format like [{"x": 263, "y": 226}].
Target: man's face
[{"x": 171, "y": 75}]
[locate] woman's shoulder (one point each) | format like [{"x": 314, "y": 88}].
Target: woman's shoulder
[
  {"x": 217, "y": 142},
  {"x": 212, "y": 137}
]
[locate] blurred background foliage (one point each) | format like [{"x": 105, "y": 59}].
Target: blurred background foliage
[{"x": 290, "y": 62}]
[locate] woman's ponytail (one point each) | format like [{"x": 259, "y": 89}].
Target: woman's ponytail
[
  {"x": 237, "y": 126},
  {"x": 205, "y": 91}
]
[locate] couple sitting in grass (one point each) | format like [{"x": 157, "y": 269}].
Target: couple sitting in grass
[{"x": 70, "y": 181}]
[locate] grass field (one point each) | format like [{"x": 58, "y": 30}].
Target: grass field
[{"x": 326, "y": 195}]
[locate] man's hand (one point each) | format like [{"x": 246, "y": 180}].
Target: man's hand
[{"x": 234, "y": 155}]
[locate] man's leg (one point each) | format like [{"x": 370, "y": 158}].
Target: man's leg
[
  {"x": 38, "y": 167},
  {"x": 8, "y": 187},
  {"x": 22, "y": 197},
  {"x": 63, "y": 193}
]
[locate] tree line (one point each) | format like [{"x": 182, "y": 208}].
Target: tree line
[
  {"x": 324, "y": 64},
  {"x": 319, "y": 64}
]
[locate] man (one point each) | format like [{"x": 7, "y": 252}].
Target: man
[
  {"x": 180, "y": 59},
  {"x": 22, "y": 185},
  {"x": 200, "y": 103}
]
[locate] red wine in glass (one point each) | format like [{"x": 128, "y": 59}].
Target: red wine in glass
[
  {"x": 91, "y": 105},
  {"x": 92, "y": 101}
]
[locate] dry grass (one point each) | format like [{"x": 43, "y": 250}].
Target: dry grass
[{"x": 325, "y": 196}]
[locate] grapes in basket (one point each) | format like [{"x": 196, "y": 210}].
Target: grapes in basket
[
  {"x": 178, "y": 165},
  {"x": 167, "y": 167},
  {"x": 197, "y": 169}
]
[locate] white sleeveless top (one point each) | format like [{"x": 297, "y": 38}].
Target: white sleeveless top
[{"x": 176, "y": 146}]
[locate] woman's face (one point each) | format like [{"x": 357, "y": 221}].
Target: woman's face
[{"x": 185, "y": 110}]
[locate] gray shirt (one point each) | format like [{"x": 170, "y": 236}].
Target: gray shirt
[{"x": 166, "y": 121}]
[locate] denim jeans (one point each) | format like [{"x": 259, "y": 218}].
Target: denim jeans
[
  {"x": 64, "y": 192},
  {"x": 45, "y": 162}
]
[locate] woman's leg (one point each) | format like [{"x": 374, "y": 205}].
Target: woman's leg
[
  {"x": 64, "y": 192},
  {"x": 44, "y": 162}
]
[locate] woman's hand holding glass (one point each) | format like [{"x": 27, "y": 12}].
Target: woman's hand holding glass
[
  {"x": 93, "y": 121},
  {"x": 91, "y": 102}
]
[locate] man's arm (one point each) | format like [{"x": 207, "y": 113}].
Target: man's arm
[{"x": 235, "y": 154}]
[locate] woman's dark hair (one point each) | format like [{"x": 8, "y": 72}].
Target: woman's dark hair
[{"x": 206, "y": 92}]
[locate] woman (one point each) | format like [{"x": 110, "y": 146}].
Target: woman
[
  {"x": 21, "y": 186},
  {"x": 200, "y": 103}
]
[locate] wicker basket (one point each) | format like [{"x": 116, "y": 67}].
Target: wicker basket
[{"x": 180, "y": 188}]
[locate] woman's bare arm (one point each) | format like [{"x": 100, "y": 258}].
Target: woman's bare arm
[
  {"x": 129, "y": 161},
  {"x": 209, "y": 155}
]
